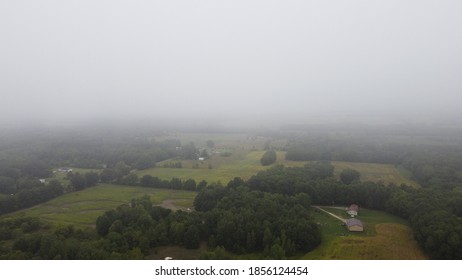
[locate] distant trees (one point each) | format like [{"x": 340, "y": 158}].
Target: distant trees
[
  {"x": 348, "y": 176},
  {"x": 321, "y": 147},
  {"x": 189, "y": 151},
  {"x": 174, "y": 183},
  {"x": 210, "y": 144},
  {"x": 268, "y": 158},
  {"x": 30, "y": 196},
  {"x": 204, "y": 154},
  {"x": 7, "y": 185},
  {"x": 244, "y": 221},
  {"x": 80, "y": 182}
]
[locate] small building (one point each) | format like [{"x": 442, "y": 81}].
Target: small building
[
  {"x": 201, "y": 159},
  {"x": 43, "y": 181},
  {"x": 354, "y": 225},
  {"x": 65, "y": 170},
  {"x": 353, "y": 210}
]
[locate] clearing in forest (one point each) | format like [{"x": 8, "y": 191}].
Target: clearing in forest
[
  {"x": 81, "y": 208},
  {"x": 386, "y": 237}
]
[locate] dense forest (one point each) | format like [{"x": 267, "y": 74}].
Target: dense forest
[
  {"x": 236, "y": 219},
  {"x": 28, "y": 157},
  {"x": 268, "y": 213}
]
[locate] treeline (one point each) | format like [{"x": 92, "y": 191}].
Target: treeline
[
  {"x": 37, "y": 156},
  {"x": 338, "y": 149},
  {"x": 268, "y": 158},
  {"x": 436, "y": 166},
  {"x": 435, "y": 215},
  {"x": 37, "y": 192},
  {"x": 432, "y": 165},
  {"x": 92, "y": 146},
  {"x": 28, "y": 158},
  {"x": 33, "y": 192},
  {"x": 268, "y": 214},
  {"x": 29, "y": 197},
  {"x": 243, "y": 221}
]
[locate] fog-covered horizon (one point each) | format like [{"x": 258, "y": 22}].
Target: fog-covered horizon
[{"x": 230, "y": 61}]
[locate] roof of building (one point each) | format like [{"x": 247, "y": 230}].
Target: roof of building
[
  {"x": 353, "y": 222},
  {"x": 354, "y": 207}
]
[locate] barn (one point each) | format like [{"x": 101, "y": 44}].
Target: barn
[{"x": 354, "y": 225}]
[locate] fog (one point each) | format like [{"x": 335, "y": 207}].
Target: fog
[{"x": 230, "y": 61}]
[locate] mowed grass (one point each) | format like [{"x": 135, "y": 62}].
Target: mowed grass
[
  {"x": 83, "y": 207},
  {"x": 386, "y": 237}
]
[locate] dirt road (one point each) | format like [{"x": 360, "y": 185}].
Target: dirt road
[{"x": 333, "y": 215}]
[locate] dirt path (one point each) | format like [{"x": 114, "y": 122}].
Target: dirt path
[
  {"x": 333, "y": 215},
  {"x": 168, "y": 203}
]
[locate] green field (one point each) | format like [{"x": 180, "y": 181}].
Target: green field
[
  {"x": 387, "y": 173},
  {"x": 244, "y": 164},
  {"x": 385, "y": 237},
  {"x": 83, "y": 207},
  {"x": 244, "y": 161}
]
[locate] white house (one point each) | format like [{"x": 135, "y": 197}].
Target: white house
[{"x": 353, "y": 210}]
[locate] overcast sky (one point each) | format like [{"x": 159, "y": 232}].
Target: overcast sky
[{"x": 77, "y": 60}]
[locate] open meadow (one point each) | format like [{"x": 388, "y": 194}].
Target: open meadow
[
  {"x": 217, "y": 168},
  {"x": 247, "y": 163},
  {"x": 238, "y": 155},
  {"x": 386, "y": 173},
  {"x": 81, "y": 208}
]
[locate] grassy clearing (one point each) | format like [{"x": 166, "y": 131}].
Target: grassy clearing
[
  {"x": 241, "y": 163},
  {"x": 370, "y": 218},
  {"x": 386, "y": 237},
  {"x": 245, "y": 163},
  {"x": 83, "y": 207},
  {"x": 387, "y": 173}
]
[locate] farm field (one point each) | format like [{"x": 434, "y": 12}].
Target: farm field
[
  {"x": 385, "y": 237},
  {"x": 244, "y": 161},
  {"x": 244, "y": 164},
  {"x": 387, "y": 173},
  {"x": 81, "y": 208}
]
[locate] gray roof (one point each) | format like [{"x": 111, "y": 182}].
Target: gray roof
[{"x": 353, "y": 222}]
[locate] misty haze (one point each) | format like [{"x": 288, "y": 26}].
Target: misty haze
[
  {"x": 63, "y": 61},
  {"x": 204, "y": 130}
]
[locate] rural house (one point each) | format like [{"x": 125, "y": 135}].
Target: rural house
[
  {"x": 353, "y": 210},
  {"x": 65, "y": 170},
  {"x": 354, "y": 225}
]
